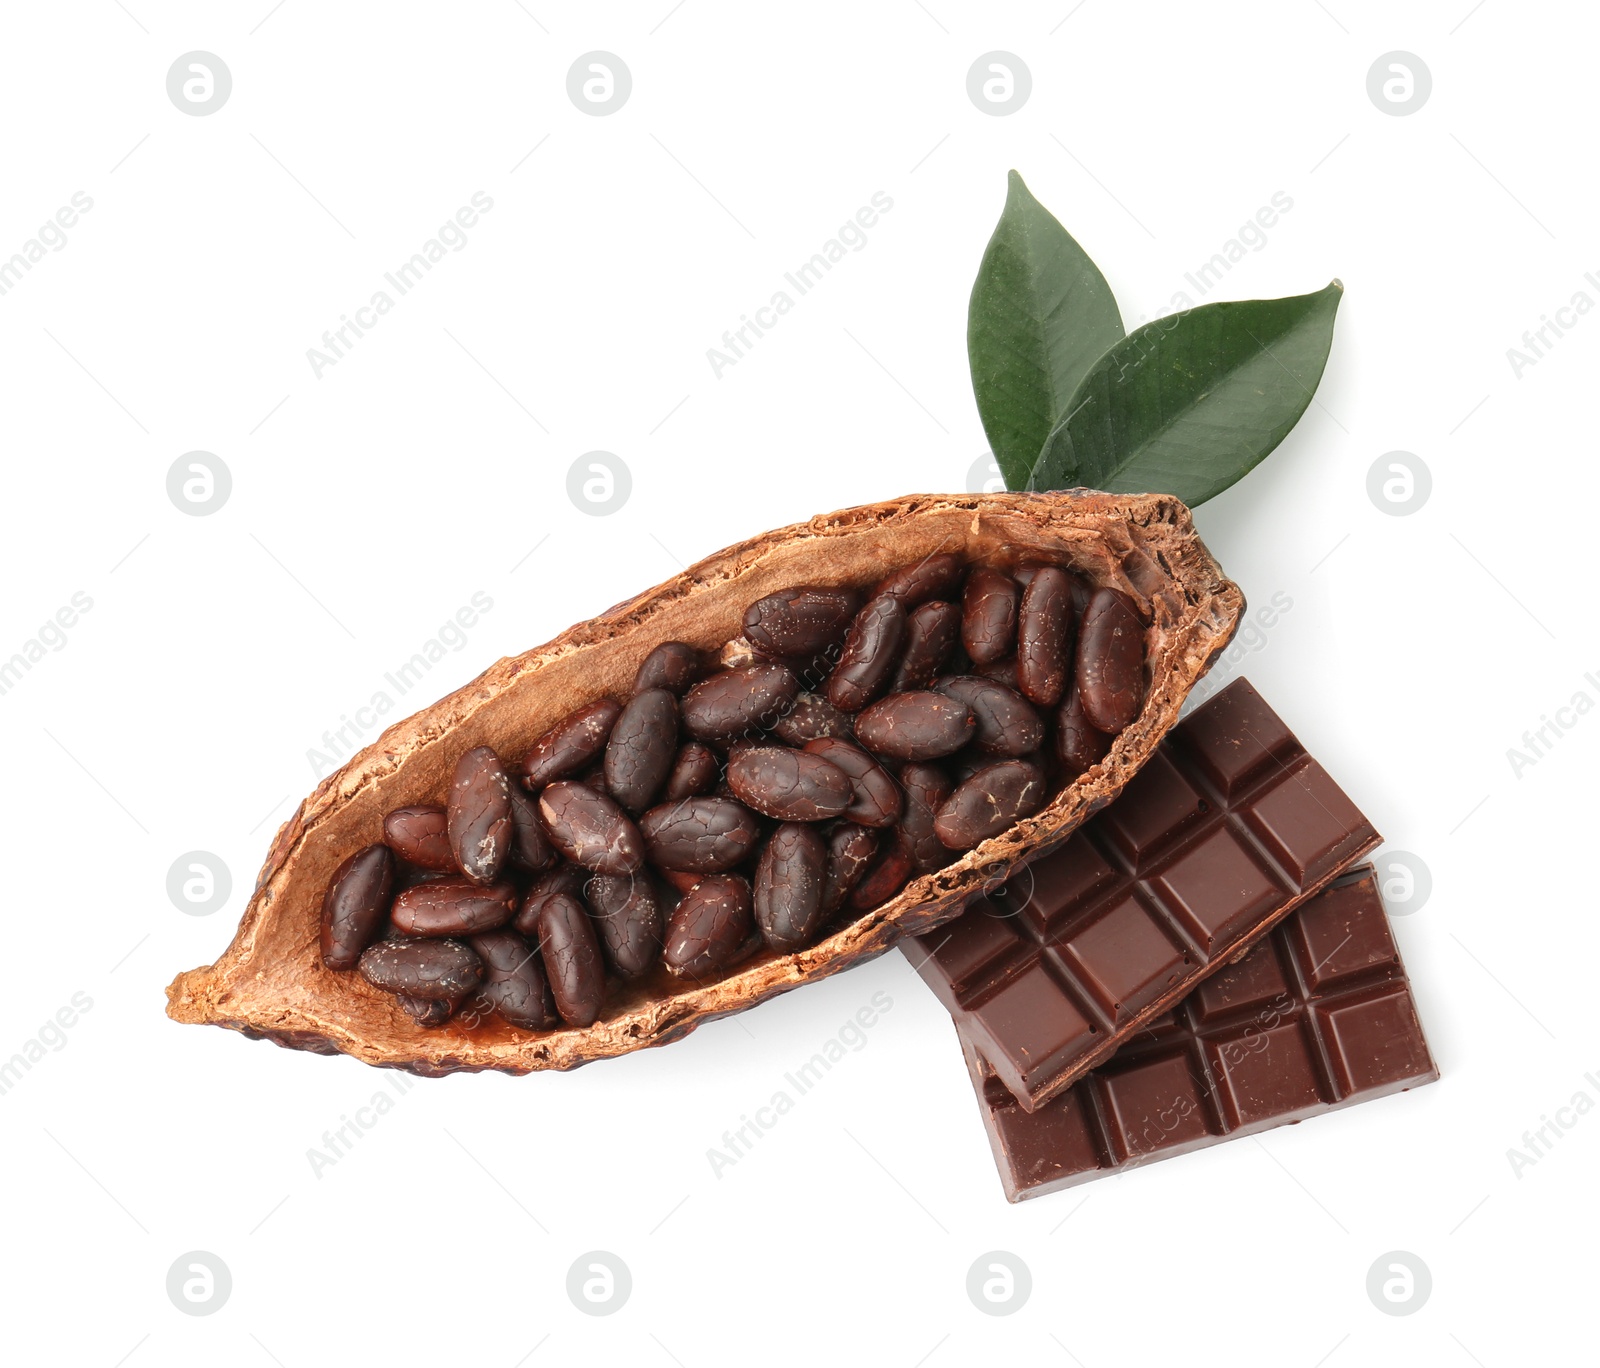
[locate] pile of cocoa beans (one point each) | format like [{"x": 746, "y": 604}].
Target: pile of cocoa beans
[{"x": 848, "y": 742}]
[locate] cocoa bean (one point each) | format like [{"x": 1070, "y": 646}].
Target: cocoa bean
[
  {"x": 1110, "y": 664},
  {"x": 989, "y": 615},
  {"x": 672, "y": 666},
  {"x": 1078, "y": 745},
  {"x": 885, "y": 876},
  {"x": 453, "y": 907},
  {"x": 870, "y": 652},
  {"x": 641, "y": 749},
  {"x": 791, "y": 785},
  {"x": 478, "y": 816},
  {"x": 800, "y": 622},
  {"x": 931, "y": 577},
  {"x": 1006, "y": 722},
  {"x": 712, "y": 929},
  {"x": 434, "y": 970},
  {"x": 989, "y": 802},
  {"x": 514, "y": 982},
  {"x": 1044, "y": 636},
  {"x": 739, "y": 702},
  {"x": 353, "y": 908},
  {"x": 812, "y": 716},
  {"x": 419, "y": 835},
  {"x": 926, "y": 789},
  {"x": 875, "y": 799},
  {"x": 916, "y": 726},
  {"x": 571, "y": 957},
  {"x": 627, "y": 913},
  {"x": 850, "y": 850},
  {"x": 570, "y": 745},
  {"x": 590, "y": 829},
  {"x": 700, "y": 835},
  {"x": 788, "y": 886},
  {"x": 695, "y": 771},
  {"x": 931, "y": 635}
]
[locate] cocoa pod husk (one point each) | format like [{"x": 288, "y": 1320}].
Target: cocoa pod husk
[{"x": 270, "y": 983}]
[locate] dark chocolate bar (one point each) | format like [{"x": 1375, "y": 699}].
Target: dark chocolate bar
[
  {"x": 1317, "y": 1016},
  {"x": 1226, "y": 829}
]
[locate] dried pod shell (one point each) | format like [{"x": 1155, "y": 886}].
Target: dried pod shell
[{"x": 270, "y": 983}]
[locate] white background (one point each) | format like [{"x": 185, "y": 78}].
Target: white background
[{"x": 427, "y": 464}]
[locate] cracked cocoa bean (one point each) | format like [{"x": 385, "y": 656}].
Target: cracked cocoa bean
[
  {"x": 916, "y": 726},
  {"x": 926, "y": 787},
  {"x": 800, "y": 622},
  {"x": 791, "y": 785},
  {"x": 875, "y": 799},
  {"x": 1110, "y": 665},
  {"x": 931, "y": 635},
  {"x": 870, "y": 653},
  {"x": 930, "y": 578},
  {"x": 851, "y": 847},
  {"x": 989, "y": 615},
  {"x": 642, "y": 747},
  {"x": 1044, "y": 636},
  {"x": 433, "y": 970},
  {"x": 739, "y": 702},
  {"x": 1006, "y": 723},
  {"x": 627, "y": 913},
  {"x": 453, "y": 907},
  {"x": 419, "y": 836},
  {"x": 570, "y": 745},
  {"x": 353, "y": 908},
  {"x": 673, "y": 666},
  {"x": 990, "y": 801},
  {"x": 514, "y": 984},
  {"x": 565, "y": 878},
  {"x": 695, "y": 771},
  {"x": 788, "y": 886},
  {"x": 571, "y": 957},
  {"x": 885, "y": 877},
  {"x": 700, "y": 835},
  {"x": 530, "y": 847},
  {"x": 1078, "y": 745},
  {"x": 812, "y": 716},
  {"x": 479, "y": 815},
  {"x": 590, "y": 829},
  {"x": 711, "y": 929}
]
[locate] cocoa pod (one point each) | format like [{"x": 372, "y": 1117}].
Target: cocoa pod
[{"x": 270, "y": 982}]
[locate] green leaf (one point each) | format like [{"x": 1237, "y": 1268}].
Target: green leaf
[
  {"x": 1041, "y": 314},
  {"x": 1192, "y": 402}
]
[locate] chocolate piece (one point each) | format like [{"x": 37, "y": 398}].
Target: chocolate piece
[
  {"x": 1227, "y": 828},
  {"x": 1319, "y": 1015}
]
